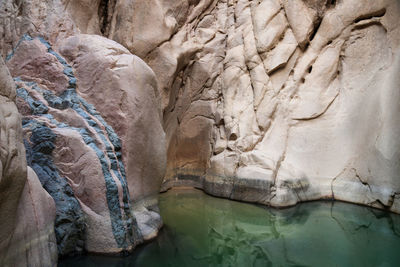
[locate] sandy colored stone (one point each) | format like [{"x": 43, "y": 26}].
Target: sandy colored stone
[
  {"x": 81, "y": 167},
  {"x": 27, "y": 211},
  {"x": 31, "y": 62},
  {"x": 298, "y": 101},
  {"x": 270, "y": 101},
  {"x": 34, "y": 232},
  {"x": 78, "y": 163},
  {"x": 133, "y": 98},
  {"x": 301, "y": 19},
  {"x": 108, "y": 71}
]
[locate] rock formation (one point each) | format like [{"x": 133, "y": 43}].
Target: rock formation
[
  {"x": 27, "y": 211},
  {"x": 80, "y": 160},
  {"x": 276, "y": 107},
  {"x": 107, "y": 70},
  {"x": 76, "y": 153},
  {"x": 268, "y": 101}
]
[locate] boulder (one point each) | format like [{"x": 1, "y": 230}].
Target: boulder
[
  {"x": 107, "y": 71},
  {"x": 27, "y": 226},
  {"x": 75, "y": 153}
]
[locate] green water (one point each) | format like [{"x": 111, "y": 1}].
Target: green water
[{"x": 201, "y": 230}]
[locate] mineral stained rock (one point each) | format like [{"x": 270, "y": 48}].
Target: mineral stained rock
[
  {"x": 69, "y": 128},
  {"x": 268, "y": 101},
  {"x": 276, "y": 107},
  {"x": 107, "y": 71},
  {"x": 27, "y": 211},
  {"x": 75, "y": 153}
]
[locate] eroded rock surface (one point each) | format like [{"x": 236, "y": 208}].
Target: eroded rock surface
[
  {"x": 276, "y": 107},
  {"x": 27, "y": 211},
  {"x": 258, "y": 104},
  {"x": 83, "y": 158},
  {"x": 75, "y": 153},
  {"x": 124, "y": 90}
]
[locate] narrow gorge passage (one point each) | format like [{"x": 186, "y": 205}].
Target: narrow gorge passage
[{"x": 108, "y": 108}]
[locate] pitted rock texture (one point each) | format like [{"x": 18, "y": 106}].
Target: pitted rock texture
[
  {"x": 278, "y": 102},
  {"x": 27, "y": 211},
  {"x": 75, "y": 153}
]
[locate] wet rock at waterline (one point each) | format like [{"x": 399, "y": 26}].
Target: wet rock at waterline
[
  {"x": 201, "y": 230},
  {"x": 279, "y": 108},
  {"x": 258, "y": 104}
]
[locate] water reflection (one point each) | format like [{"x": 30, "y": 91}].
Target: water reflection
[{"x": 205, "y": 231}]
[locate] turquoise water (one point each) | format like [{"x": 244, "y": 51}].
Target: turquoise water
[{"x": 201, "y": 230}]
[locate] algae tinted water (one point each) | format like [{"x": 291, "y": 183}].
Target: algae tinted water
[{"x": 201, "y": 230}]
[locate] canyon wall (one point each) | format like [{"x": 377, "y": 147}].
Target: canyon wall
[
  {"x": 267, "y": 101},
  {"x": 91, "y": 129},
  {"x": 26, "y": 209},
  {"x": 278, "y": 102}
]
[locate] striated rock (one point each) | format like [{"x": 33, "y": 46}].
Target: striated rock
[
  {"x": 27, "y": 211},
  {"x": 268, "y": 101},
  {"x": 75, "y": 153},
  {"x": 281, "y": 96},
  {"x": 48, "y": 99},
  {"x": 69, "y": 222},
  {"x": 106, "y": 70}
]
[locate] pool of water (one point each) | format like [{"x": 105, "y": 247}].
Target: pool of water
[{"x": 201, "y": 230}]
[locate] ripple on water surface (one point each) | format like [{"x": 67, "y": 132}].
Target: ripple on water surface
[{"x": 201, "y": 230}]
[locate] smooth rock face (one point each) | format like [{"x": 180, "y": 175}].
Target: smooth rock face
[
  {"x": 75, "y": 153},
  {"x": 107, "y": 71},
  {"x": 258, "y": 104},
  {"x": 27, "y": 211},
  {"x": 80, "y": 142},
  {"x": 34, "y": 234},
  {"x": 278, "y": 107}
]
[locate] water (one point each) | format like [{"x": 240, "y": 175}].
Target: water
[{"x": 201, "y": 230}]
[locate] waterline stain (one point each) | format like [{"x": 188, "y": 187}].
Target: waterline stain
[{"x": 201, "y": 230}]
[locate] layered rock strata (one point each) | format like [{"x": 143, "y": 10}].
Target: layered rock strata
[
  {"x": 75, "y": 150},
  {"x": 75, "y": 153},
  {"x": 27, "y": 211},
  {"x": 107, "y": 70}
]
